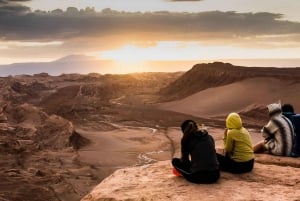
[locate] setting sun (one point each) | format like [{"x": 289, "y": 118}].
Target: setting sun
[
  {"x": 128, "y": 53},
  {"x": 161, "y": 51}
]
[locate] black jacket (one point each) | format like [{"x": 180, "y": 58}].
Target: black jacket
[{"x": 198, "y": 151}]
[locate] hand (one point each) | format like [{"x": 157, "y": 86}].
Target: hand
[{"x": 220, "y": 151}]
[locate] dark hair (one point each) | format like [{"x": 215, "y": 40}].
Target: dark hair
[
  {"x": 189, "y": 126},
  {"x": 287, "y": 108}
]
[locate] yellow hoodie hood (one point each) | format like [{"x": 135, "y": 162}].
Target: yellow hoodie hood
[{"x": 234, "y": 120}]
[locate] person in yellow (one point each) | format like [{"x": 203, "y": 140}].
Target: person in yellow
[{"x": 237, "y": 156}]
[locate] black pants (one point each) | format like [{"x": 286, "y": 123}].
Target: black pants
[
  {"x": 229, "y": 165},
  {"x": 200, "y": 177}
]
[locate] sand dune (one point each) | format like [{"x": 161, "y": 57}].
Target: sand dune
[
  {"x": 210, "y": 75},
  {"x": 236, "y": 97}
]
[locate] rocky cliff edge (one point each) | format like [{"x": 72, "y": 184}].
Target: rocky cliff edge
[{"x": 273, "y": 178}]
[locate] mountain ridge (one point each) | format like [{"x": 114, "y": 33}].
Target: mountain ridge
[{"x": 207, "y": 75}]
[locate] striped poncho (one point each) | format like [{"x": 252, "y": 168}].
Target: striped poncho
[{"x": 278, "y": 134}]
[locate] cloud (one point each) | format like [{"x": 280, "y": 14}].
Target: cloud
[
  {"x": 182, "y": 0},
  {"x": 10, "y": 10},
  {"x": 18, "y": 22},
  {"x": 10, "y": 1},
  {"x": 88, "y": 30},
  {"x": 10, "y": 7}
]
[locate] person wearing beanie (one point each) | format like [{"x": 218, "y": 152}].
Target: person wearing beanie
[
  {"x": 278, "y": 133},
  {"x": 198, "y": 162},
  {"x": 237, "y": 156}
]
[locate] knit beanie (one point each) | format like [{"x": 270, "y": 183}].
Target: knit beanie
[{"x": 274, "y": 108}]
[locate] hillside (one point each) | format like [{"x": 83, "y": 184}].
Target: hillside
[
  {"x": 210, "y": 75},
  {"x": 241, "y": 96}
]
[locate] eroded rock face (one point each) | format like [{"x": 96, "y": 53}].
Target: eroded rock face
[
  {"x": 156, "y": 182},
  {"x": 38, "y": 152},
  {"x": 39, "y": 145},
  {"x": 32, "y": 129}
]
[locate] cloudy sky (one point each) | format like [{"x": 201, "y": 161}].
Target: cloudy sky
[{"x": 156, "y": 30}]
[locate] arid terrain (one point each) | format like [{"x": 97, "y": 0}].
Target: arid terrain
[{"x": 60, "y": 136}]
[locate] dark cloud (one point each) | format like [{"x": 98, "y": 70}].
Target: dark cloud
[
  {"x": 11, "y": 1},
  {"x": 19, "y": 23},
  {"x": 182, "y": 0},
  {"x": 11, "y": 7},
  {"x": 10, "y": 10}
]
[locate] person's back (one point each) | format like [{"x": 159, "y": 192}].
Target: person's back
[
  {"x": 239, "y": 156},
  {"x": 296, "y": 146},
  {"x": 202, "y": 151},
  {"x": 288, "y": 111},
  {"x": 238, "y": 141},
  {"x": 242, "y": 145},
  {"x": 198, "y": 162},
  {"x": 278, "y": 132}
]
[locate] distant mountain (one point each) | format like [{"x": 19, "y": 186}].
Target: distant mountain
[
  {"x": 75, "y": 57},
  {"x": 81, "y": 64},
  {"x": 70, "y": 64},
  {"x": 209, "y": 75}
]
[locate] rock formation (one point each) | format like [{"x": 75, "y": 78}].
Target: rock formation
[{"x": 279, "y": 180}]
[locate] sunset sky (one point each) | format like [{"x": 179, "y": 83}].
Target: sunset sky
[{"x": 149, "y": 30}]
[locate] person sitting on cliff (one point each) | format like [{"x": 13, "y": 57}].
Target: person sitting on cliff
[
  {"x": 198, "y": 162},
  {"x": 237, "y": 156},
  {"x": 288, "y": 111},
  {"x": 278, "y": 133}
]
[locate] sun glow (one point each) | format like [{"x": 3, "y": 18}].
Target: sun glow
[
  {"x": 162, "y": 51},
  {"x": 178, "y": 51},
  {"x": 130, "y": 66},
  {"x": 131, "y": 58},
  {"x": 129, "y": 53}
]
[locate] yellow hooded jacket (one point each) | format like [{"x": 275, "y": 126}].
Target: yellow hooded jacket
[{"x": 237, "y": 142}]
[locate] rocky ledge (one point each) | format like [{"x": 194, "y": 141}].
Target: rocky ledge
[{"x": 273, "y": 178}]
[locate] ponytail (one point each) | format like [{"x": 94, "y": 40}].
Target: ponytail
[{"x": 188, "y": 127}]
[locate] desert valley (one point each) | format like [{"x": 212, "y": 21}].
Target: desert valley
[{"x": 60, "y": 136}]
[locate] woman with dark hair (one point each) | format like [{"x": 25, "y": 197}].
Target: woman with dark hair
[{"x": 198, "y": 162}]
